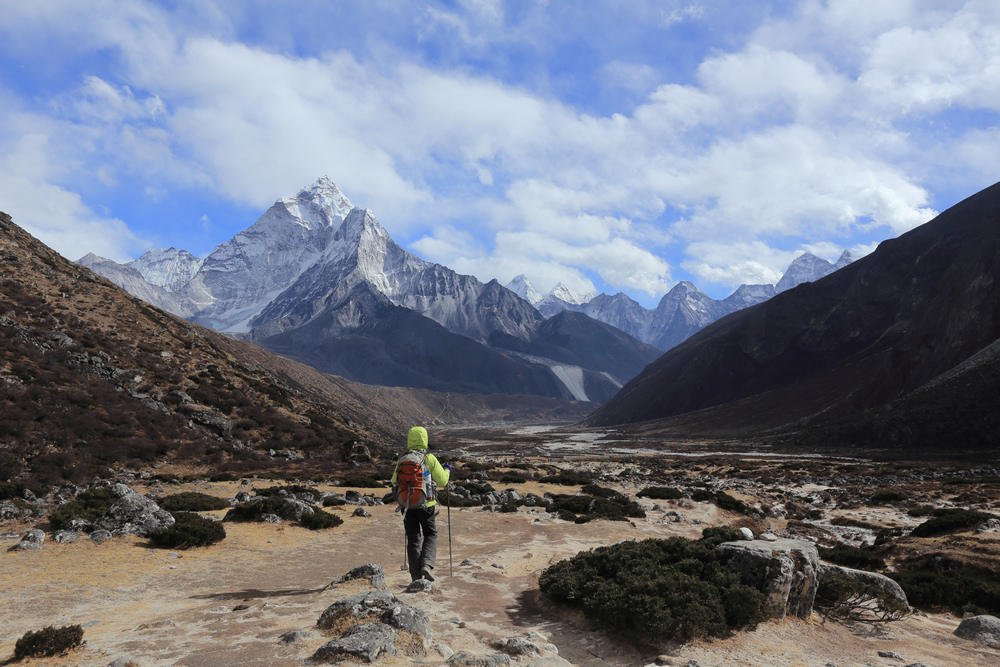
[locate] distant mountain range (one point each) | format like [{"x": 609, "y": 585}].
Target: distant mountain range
[
  {"x": 898, "y": 349},
  {"x": 318, "y": 280},
  {"x": 682, "y": 311}
]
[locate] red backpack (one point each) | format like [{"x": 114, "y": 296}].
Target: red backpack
[{"x": 414, "y": 486}]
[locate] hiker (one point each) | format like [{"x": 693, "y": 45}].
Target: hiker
[{"x": 416, "y": 497}]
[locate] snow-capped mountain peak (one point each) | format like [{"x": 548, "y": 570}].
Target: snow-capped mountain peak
[
  {"x": 566, "y": 294},
  {"x": 522, "y": 287},
  {"x": 168, "y": 268},
  {"x": 319, "y": 205}
]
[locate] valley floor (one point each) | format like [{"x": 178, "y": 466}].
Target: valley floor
[{"x": 158, "y": 607}]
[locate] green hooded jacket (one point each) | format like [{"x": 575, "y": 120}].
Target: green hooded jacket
[{"x": 415, "y": 441}]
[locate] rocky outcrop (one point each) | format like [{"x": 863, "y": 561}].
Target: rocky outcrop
[
  {"x": 983, "y": 629},
  {"x": 373, "y": 572},
  {"x": 786, "y": 571},
  {"x": 368, "y": 642},
  {"x": 371, "y": 611},
  {"x": 879, "y": 581},
  {"x": 132, "y": 514}
]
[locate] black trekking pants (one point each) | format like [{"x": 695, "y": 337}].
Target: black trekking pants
[{"x": 420, "y": 554}]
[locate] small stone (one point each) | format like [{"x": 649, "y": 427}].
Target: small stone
[
  {"x": 62, "y": 536},
  {"x": 362, "y": 512},
  {"x": 419, "y": 586},
  {"x": 219, "y": 610},
  {"x": 444, "y": 651},
  {"x": 466, "y": 659},
  {"x": 293, "y": 636},
  {"x": 665, "y": 659},
  {"x": 270, "y": 518},
  {"x": 241, "y": 607},
  {"x": 122, "y": 662},
  {"x": 746, "y": 533},
  {"x": 499, "y": 566},
  {"x": 890, "y": 654},
  {"x": 768, "y": 537}
]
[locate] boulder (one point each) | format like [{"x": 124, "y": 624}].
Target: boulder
[
  {"x": 786, "y": 571},
  {"x": 100, "y": 535},
  {"x": 362, "y": 512},
  {"x": 35, "y": 535},
  {"x": 294, "y": 509},
  {"x": 132, "y": 514},
  {"x": 8, "y": 511},
  {"x": 419, "y": 586},
  {"x": 983, "y": 629},
  {"x": 380, "y": 606},
  {"x": 879, "y": 581},
  {"x": 66, "y": 536},
  {"x": 368, "y": 642},
  {"x": 372, "y": 571},
  {"x": 745, "y": 532},
  {"x": 466, "y": 659}
]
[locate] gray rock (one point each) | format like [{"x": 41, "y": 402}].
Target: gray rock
[
  {"x": 984, "y": 629},
  {"x": 786, "y": 571},
  {"x": 34, "y": 535},
  {"x": 989, "y": 526},
  {"x": 879, "y": 581},
  {"x": 444, "y": 651},
  {"x": 80, "y": 525},
  {"x": 242, "y": 497},
  {"x": 295, "y": 509},
  {"x": 122, "y": 662},
  {"x": 8, "y": 511},
  {"x": 382, "y": 606},
  {"x": 466, "y": 659},
  {"x": 25, "y": 546},
  {"x": 746, "y": 533},
  {"x": 100, "y": 535},
  {"x": 547, "y": 661},
  {"x": 890, "y": 654},
  {"x": 468, "y": 562},
  {"x": 270, "y": 518},
  {"x": 362, "y": 512},
  {"x": 419, "y": 586},
  {"x": 293, "y": 636},
  {"x": 517, "y": 646},
  {"x": 132, "y": 514},
  {"x": 768, "y": 537},
  {"x": 66, "y": 536},
  {"x": 10, "y": 535},
  {"x": 373, "y": 571},
  {"x": 368, "y": 642}
]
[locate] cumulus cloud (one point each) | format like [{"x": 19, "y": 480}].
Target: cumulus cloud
[{"x": 813, "y": 130}]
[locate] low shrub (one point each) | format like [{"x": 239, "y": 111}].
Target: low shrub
[
  {"x": 333, "y": 501},
  {"x": 9, "y": 490},
  {"x": 884, "y": 497},
  {"x": 513, "y": 478},
  {"x": 722, "y": 499},
  {"x": 601, "y": 492},
  {"x": 477, "y": 489},
  {"x": 252, "y": 511},
  {"x": 936, "y": 583},
  {"x": 223, "y": 477},
  {"x": 847, "y": 598},
  {"x": 365, "y": 482},
  {"x": 661, "y": 493},
  {"x": 189, "y": 530},
  {"x": 89, "y": 505},
  {"x": 672, "y": 589},
  {"x": 192, "y": 501},
  {"x": 290, "y": 489},
  {"x": 320, "y": 520},
  {"x": 950, "y": 521},
  {"x": 617, "y": 508},
  {"x": 48, "y": 642},
  {"x": 855, "y": 557},
  {"x": 566, "y": 479}
]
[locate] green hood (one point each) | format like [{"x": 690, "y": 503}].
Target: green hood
[{"x": 417, "y": 438}]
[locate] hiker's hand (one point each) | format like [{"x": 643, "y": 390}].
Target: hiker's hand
[{"x": 447, "y": 467}]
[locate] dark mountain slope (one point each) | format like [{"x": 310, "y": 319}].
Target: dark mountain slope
[
  {"x": 862, "y": 337},
  {"x": 367, "y": 338}
]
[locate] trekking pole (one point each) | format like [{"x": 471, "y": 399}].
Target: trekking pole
[{"x": 451, "y": 562}]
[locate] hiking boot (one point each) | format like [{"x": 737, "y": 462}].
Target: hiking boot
[{"x": 426, "y": 574}]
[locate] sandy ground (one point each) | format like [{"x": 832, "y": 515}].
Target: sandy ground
[{"x": 177, "y": 608}]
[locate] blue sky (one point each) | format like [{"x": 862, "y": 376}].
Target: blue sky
[{"x": 613, "y": 146}]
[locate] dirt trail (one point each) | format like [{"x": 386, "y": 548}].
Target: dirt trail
[{"x": 159, "y": 609}]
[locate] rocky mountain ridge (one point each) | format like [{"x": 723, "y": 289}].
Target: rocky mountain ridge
[
  {"x": 319, "y": 280},
  {"x": 897, "y": 349}
]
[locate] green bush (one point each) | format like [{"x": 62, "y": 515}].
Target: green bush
[
  {"x": 884, "y": 497},
  {"x": 673, "y": 589},
  {"x": 366, "y": 482},
  {"x": 601, "y": 492},
  {"x": 566, "y": 479},
  {"x": 921, "y": 511},
  {"x": 189, "y": 530},
  {"x": 9, "y": 490},
  {"x": 252, "y": 511},
  {"x": 848, "y": 556},
  {"x": 48, "y": 641},
  {"x": 192, "y": 501},
  {"x": 333, "y": 501},
  {"x": 661, "y": 493},
  {"x": 954, "y": 588},
  {"x": 950, "y": 521},
  {"x": 722, "y": 499},
  {"x": 89, "y": 505},
  {"x": 617, "y": 508},
  {"x": 513, "y": 478},
  {"x": 320, "y": 520},
  {"x": 290, "y": 489},
  {"x": 844, "y": 597},
  {"x": 223, "y": 477}
]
